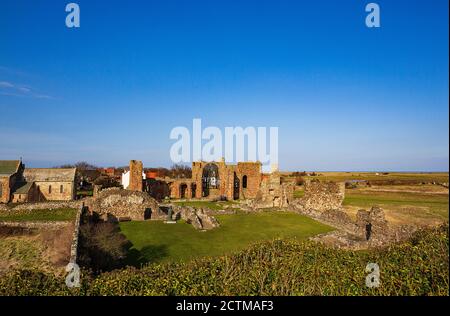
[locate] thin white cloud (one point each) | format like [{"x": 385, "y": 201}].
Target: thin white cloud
[
  {"x": 6, "y": 84},
  {"x": 17, "y": 90}
]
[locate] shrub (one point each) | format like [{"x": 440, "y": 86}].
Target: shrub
[
  {"x": 299, "y": 180},
  {"x": 280, "y": 267},
  {"x": 102, "y": 247}
]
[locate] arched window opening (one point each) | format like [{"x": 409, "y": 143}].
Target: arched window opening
[{"x": 210, "y": 178}]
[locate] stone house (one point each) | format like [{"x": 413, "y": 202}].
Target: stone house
[
  {"x": 20, "y": 184},
  {"x": 10, "y": 175},
  {"x": 54, "y": 184}
]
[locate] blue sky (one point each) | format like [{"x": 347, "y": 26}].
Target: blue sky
[{"x": 345, "y": 97}]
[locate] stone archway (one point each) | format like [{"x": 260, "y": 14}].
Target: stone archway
[
  {"x": 210, "y": 178},
  {"x": 193, "y": 190},
  {"x": 183, "y": 189},
  {"x": 236, "y": 187}
]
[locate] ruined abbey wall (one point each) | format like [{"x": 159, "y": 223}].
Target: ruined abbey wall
[
  {"x": 240, "y": 181},
  {"x": 136, "y": 168}
]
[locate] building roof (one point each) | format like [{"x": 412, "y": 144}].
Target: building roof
[
  {"x": 23, "y": 188},
  {"x": 9, "y": 167},
  {"x": 49, "y": 174}
]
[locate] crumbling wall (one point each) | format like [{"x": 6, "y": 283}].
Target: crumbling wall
[
  {"x": 322, "y": 196},
  {"x": 273, "y": 192},
  {"x": 47, "y": 205},
  {"x": 114, "y": 204}
]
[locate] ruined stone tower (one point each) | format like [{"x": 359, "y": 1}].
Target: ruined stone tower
[{"x": 135, "y": 175}]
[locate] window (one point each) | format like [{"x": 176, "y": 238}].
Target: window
[
  {"x": 61, "y": 188},
  {"x": 1, "y": 190},
  {"x": 49, "y": 189},
  {"x": 244, "y": 182}
]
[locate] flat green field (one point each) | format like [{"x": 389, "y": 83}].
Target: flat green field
[
  {"x": 390, "y": 176},
  {"x": 154, "y": 241},
  {"x": 402, "y": 207},
  {"x": 61, "y": 214}
]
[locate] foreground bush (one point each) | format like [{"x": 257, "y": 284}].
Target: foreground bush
[{"x": 281, "y": 267}]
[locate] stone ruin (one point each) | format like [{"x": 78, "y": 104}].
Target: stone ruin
[
  {"x": 115, "y": 204},
  {"x": 322, "y": 196},
  {"x": 273, "y": 192},
  {"x": 323, "y": 202},
  {"x": 197, "y": 217},
  {"x": 136, "y": 168}
]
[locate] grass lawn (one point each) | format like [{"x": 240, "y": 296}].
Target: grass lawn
[
  {"x": 60, "y": 214},
  {"x": 403, "y": 207},
  {"x": 154, "y": 241}
]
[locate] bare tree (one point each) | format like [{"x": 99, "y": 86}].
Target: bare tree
[{"x": 179, "y": 171}]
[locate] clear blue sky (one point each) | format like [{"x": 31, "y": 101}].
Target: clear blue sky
[{"x": 345, "y": 97}]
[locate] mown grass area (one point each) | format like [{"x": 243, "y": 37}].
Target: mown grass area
[
  {"x": 159, "y": 242},
  {"x": 417, "y": 267},
  {"x": 60, "y": 214}
]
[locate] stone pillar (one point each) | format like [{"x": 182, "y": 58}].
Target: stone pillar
[
  {"x": 135, "y": 175},
  {"x": 96, "y": 190}
]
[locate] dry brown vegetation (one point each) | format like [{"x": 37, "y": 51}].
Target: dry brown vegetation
[{"x": 47, "y": 250}]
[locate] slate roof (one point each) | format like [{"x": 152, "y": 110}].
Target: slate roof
[
  {"x": 9, "y": 167},
  {"x": 23, "y": 188},
  {"x": 49, "y": 174}
]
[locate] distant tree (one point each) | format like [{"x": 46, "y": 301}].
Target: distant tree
[
  {"x": 179, "y": 171},
  {"x": 299, "y": 174},
  {"x": 299, "y": 180},
  {"x": 81, "y": 165},
  {"x": 107, "y": 182}
]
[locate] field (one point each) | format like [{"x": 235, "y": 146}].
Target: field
[
  {"x": 407, "y": 198},
  {"x": 420, "y": 205},
  {"x": 159, "y": 242},
  {"x": 417, "y": 177},
  {"x": 31, "y": 248}
]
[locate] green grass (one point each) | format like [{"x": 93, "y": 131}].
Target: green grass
[
  {"x": 299, "y": 193},
  {"x": 437, "y": 204},
  {"x": 288, "y": 267},
  {"x": 159, "y": 242},
  {"x": 60, "y": 214},
  {"x": 20, "y": 252}
]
